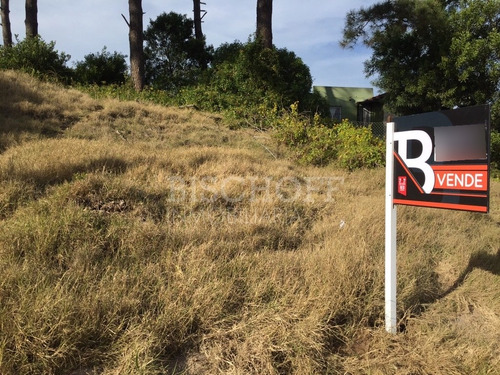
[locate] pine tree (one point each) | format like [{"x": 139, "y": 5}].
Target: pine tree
[
  {"x": 264, "y": 31},
  {"x": 6, "y": 30},
  {"x": 136, "y": 37},
  {"x": 31, "y": 21}
]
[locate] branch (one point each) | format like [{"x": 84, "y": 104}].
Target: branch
[{"x": 125, "y": 19}]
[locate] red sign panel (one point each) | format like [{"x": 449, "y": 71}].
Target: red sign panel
[{"x": 441, "y": 159}]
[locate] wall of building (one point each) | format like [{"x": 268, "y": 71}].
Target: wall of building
[{"x": 346, "y": 98}]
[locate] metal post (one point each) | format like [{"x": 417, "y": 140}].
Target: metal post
[{"x": 390, "y": 235}]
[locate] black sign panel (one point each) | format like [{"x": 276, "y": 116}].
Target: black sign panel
[{"x": 441, "y": 159}]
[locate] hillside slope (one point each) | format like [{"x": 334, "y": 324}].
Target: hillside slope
[{"x": 139, "y": 239}]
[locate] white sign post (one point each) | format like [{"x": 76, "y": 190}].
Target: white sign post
[{"x": 390, "y": 234}]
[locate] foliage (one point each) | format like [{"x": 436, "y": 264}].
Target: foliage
[
  {"x": 102, "y": 68},
  {"x": 174, "y": 57},
  {"x": 245, "y": 78},
  {"x": 473, "y": 62},
  {"x": 312, "y": 142},
  {"x": 429, "y": 54},
  {"x": 227, "y": 53},
  {"x": 126, "y": 92},
  {"x": 495, "y": 151},
  {"x": 35, "y": 56},
  {"x": 358, "y": 147},
  {"x": 349, "y": 146}
]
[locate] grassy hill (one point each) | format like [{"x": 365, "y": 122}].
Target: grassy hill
[{"x": 140, "y": 239}]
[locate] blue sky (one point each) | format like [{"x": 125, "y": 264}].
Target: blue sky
[{"x": 312, "y": 29}]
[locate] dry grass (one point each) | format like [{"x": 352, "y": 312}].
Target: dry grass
[{"x": 138, "y": 239}]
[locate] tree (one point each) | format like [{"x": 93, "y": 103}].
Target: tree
[
  {"x": 473, "y": 61},
  {"x": 253, "y": 74},
  {"x": 430, "y": 54},
  {"x": 6, "y": 30},
  {"x": 102, "y": 68},
  {"x": 264, "y": 31},
  {"x": 174, "y": 57},
  {"x": 136, "y": 40},
  {"x": 31, "y": 21}
]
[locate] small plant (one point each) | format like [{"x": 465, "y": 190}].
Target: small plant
[{"x": 313, "y": 142}]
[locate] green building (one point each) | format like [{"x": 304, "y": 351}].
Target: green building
[{"x": 356, "y": 104}]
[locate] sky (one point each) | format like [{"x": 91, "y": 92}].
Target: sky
[{"x": 310, "y": 28}]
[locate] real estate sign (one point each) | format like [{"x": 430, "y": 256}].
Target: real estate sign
[
  {"x": 441, "y": 159},
  {"x": 436, "y": 159}
]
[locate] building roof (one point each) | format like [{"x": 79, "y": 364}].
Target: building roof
[{"x": 375, "y": 99}]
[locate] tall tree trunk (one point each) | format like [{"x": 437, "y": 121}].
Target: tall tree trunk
[
  {"x": 136, "y": 39},
  {"x": 6, "y": 30},
  {"x": 31, "y": 21},
  {"x": 264, "y": 31},
  {"x": 198, "y": 33}
]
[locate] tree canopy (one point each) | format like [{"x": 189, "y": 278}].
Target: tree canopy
[
  {"x": 102, "y": 68},
  {"x": 174, "y": 57},
  {"x": 430, "y": 54}
]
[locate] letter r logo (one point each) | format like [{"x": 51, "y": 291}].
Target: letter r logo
[{"x": 419, "y": 162}]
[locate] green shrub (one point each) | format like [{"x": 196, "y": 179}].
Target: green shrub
[
  {"x": 35, "y": 56},
  {"x": 358, "y": 147},
  {"x": 312, "y": 142},
  {"x": 127, "y": 92},
  {"x": 246, "y": 78},
  {"x": 315, "y": 143},
  {"x": 101, "y": 68},
  {"x": 291, "y": 128}
]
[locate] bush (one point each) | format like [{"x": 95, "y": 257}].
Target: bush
[
  {"x": 315, "y": 143},
  {"x": 35, "y": 56},
  {"x": 245, "y": 78},
  {"x": 358, "y": 147},
  {"x": 101, "y": 68},
  {"x": 312, "y": 142}
]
